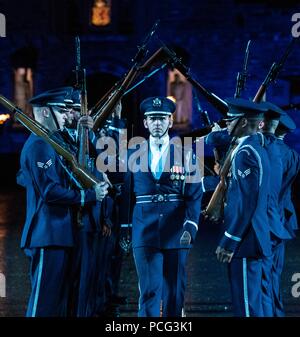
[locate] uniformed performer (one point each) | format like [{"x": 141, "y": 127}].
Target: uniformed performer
[
  {"x": 98, "y": 253},
  {"x": 48, "y": 234},
  {"x": 291, "y": 168},
  {"x": 246, "y": 239},
  {"x": 112, "y": 253},
  {"x": 278, "y": 231},
  {"x": 165, "y": 215},
  {"x": 86, "y": 265}
]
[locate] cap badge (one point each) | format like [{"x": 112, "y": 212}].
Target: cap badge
[{"x": 156, "y": 102}]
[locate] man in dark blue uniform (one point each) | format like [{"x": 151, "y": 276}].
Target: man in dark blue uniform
[
  {"x": 110, "y": 252},
  {"x": 98, "y": 254},
  {"x": 86, "y": 265},
  {"x": 278, "y": 231},
  {"x": 48, "y": 234},
  {"x": 166, "y": 212},
  {"x": 291, "y": 168},
  {"x": 246, "y": 239}
]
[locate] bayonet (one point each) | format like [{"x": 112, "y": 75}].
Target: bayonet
[{"x": 242, "y": 76}]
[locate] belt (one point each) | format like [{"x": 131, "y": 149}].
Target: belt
[{"x": 142, "y": 199}]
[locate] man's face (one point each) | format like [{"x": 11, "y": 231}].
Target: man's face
[
  {"x": 61, "y": 116},
  {"x": 70, "y": 116},
  {"x": 158, "y": 125},
  {"x": 232, "y": 127}
]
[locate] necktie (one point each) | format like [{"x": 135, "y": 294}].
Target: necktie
[{"x": 159, "y": 166}]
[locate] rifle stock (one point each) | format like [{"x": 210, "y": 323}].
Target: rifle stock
[
  {"x": 105, "y": 105},
  {"x": 118, "y": 91},
  {"x": 271, "y": 76},
  {"x": 214, "y": 208},
  {"x": 86, "y": 179},
  {"x": 103, "y": 113},
  {"x": 212, "y": 98}
]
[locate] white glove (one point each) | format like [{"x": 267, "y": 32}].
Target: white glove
[
  {"x": 101, "y": 190},
  {"x": 185, "y": 238},
  {"x": 216, "y": 127}
]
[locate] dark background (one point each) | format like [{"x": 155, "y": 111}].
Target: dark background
[{"x": 210, "y": 35}]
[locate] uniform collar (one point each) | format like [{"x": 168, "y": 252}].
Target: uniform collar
[{"x": 241, "y": 139}]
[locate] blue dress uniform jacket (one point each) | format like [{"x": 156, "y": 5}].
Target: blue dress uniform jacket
[
  {"x": 48, "y": 218},
  {"x": 247, "y": 232},
  {"x": 153, "y": 222},
  {"x": 165, "y": 207},
  {"x": 291, "y": 168},
  {"x": 219, "y": 140},
  {"x": 110, "y": 252},
  {"x": 276, "y": 223},
  {"x": 246, "y": 221},
  {"x": 48, "y": 231},
  {"x": 277, "y": 229}
]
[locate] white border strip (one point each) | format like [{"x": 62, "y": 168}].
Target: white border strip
[
  {"x": 37, "y": 291},
  {"x": 245, "y": 284},
  {"x": 157, "y": 113},
  {"x": 202, "y": 183},
  {"x": 82, "y": 197},
  {"x": 191, "y": 222},
  {"x": 232, "y": 237}
]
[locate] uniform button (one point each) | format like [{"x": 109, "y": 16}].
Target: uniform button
[
  {"x": 161, "y": 215},
  {"x": 157, "y": 185}
]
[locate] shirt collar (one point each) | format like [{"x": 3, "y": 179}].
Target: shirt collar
[{"x": 164, "y": 141}]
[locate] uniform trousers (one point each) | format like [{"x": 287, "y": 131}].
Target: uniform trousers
[
  {"x": 162, "y": 277},
  {"x": 49, "y": 273},
  {"x": 85, "y": 274},
  {"x": 245, "y": 276},
  {"x": 273, "y": 265}
]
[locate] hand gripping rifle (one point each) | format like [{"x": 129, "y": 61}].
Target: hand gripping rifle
[
  {"x": 103, "y": 109},
  {"x": 242, "y": 75},
  {"x": 215, "y": 207},
  {"x": 86, "y": 179}
]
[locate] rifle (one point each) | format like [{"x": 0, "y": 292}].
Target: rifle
[
  {"x": 101, "y": 114},
  {"x": 202, "y": 112},
  {"x": 212, "y": 98},
  {"x": 242, "y": 75},
  {"x": 157, "y": 57},
  {"x": 83, "y": 133},
  {"x": 86, "y": 179},
  {"x": 273, "y": 72},
  {"x": 215, "y": 206}
]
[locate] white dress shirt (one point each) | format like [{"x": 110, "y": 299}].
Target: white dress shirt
[{"x": 158, "y": 148}]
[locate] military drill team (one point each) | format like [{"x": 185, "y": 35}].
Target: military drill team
[{"x": 75, "y": 233}]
